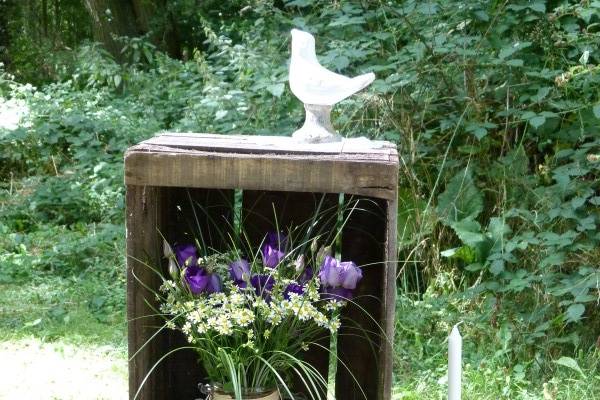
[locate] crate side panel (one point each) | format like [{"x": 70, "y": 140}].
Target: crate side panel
[
  {"x": 144, "y": 205},
  {"x": 360, "y": 337},
  {"x": 389, "y": 297},
  {"x": 342, "y": 173}
]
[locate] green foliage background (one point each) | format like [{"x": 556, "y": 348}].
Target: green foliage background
[{"x": 494, "y": 106}]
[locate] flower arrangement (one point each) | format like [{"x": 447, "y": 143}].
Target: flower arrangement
[{"x": 249, "y": 317}]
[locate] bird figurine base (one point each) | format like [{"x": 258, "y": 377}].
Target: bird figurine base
[{"x": 317, "y": 126}]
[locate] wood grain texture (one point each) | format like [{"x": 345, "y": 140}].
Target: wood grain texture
[
  {"x": 362, "y": 346},
  {"x": 144, "y": 205},
  {"x": 269, "y": 144},
  {"x": 281, "y": 169},
  {"x": 386, "y": 353}
]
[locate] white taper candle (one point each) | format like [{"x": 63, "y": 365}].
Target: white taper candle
[{"x": 454, "y": 364}]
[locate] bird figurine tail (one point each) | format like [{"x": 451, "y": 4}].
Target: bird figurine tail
[{"x": 362, "y": 81}]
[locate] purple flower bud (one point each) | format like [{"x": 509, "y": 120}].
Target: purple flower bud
[
  {"x": 196, "y": 279},
  {"x": 273, "y": 249},
  {"x": 240, "y": 272},
  {"x": 167, "y": 250},
  {"x": 300, "y": 262},
  {"x": 173, "y": 269},
  {"x": 323, "y": 253},
  {"x": 186, "y": 255},
  {"x": 314, "y": 246},
  {"x": 292, "y": 288},
  {"x": 263, "y": 284}
]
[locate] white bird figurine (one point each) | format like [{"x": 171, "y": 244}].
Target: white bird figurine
[{"x": 319, "y": 89}]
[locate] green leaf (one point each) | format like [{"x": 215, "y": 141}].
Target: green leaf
[
  {"x": 596, "y": 110},
  {"x": 341, "y": 62},
  {"x": 556, "y": 258},
  {"x": 497, "y": 229},
  {"x": 276, "y": 89},
  {"x": 147, "y": 54},
  {"x": 515, "y": 62},
  {"x": 537, "y": 121},
  {"x": 428, "y": 8},
  {"x": 569, "y": 363},
  {"x": 574, "y": 312},
  {"x": 220, "y": 114},
  {"x": 469, "y": 231},
  {"x": 117, "y": 80},
  {"x": 464, "y": 253},
  {"x": 299, "y": 3},
  {"x": 460, "y": 200},
  {"x": 481, "y": 15},
  {"x": 512, "y": 48},
  {"x": 33, "y": 323},
  {"x": 538, "y": 6},
  {"x": 497, "y": 267},
  {"x": 541, "y": 94}
]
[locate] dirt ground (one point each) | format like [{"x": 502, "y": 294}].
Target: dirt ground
[{"x": 33, "y": 370}]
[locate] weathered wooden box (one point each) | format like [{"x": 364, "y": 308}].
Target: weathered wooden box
[{"x": 277, "y": 175}]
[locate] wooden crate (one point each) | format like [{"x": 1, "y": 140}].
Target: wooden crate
[{"x": 274, "y": 173}]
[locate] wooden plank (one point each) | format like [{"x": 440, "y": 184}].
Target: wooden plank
[
  {"x": 323, "y": 174},
  {"x": 386, "y": 353},
  {"x": 361, "y": 340},
  {"x": 263, "y": 212},
  {"x": 269, "y": 144},
  {"x": 144, "y": 206}
]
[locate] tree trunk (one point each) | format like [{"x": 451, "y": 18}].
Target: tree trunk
[
  {"x": 134, "y": 18},
  {"x": 45, "y": 18},
  {"x": 56, "y": 31},
  {"x": 4, "y": 32},
  {"x": 112, "y": 19}
]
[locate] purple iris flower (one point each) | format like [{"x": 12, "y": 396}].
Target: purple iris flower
[
  {"x": 338, "y": 279},
  {"x": 350, "y": 274},
  {"x": 186, "y": 252},
  {"x": 272, "y": 249},
  {"x": 329, "y": 273},
  {"x": 263, "y": 284},
  {"x": 214, "y": 284},
  {"x": 199, "y": 281},
  {"x": 293, "y": 288},
  {"x": 240, "y": 272},
  {"x": 196, "y": 278}
]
